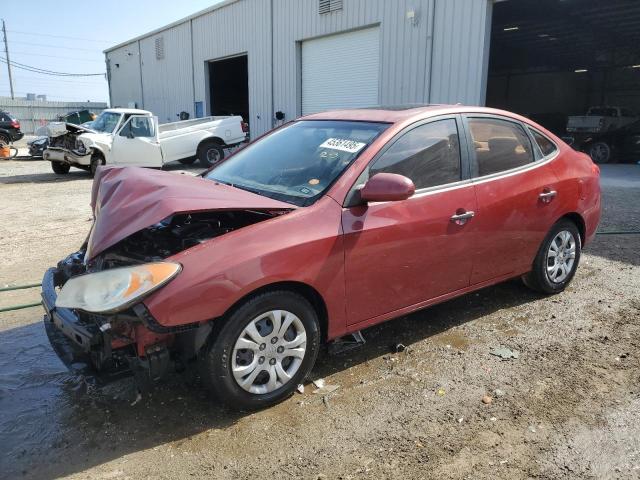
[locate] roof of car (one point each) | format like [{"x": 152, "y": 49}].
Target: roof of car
[
  {"x": 397, "y": 114},
  {"x": 128, "y": 110}
]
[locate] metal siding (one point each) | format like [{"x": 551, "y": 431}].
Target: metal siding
[
  {"x": 35, "y": 113},
  {"x": 168, "y": 89},
  {"x": 459, "y": 51},
  {"x": 124, "y": 81},
  {"x": 439, "y": 59},
  {"x": 238, "y": 28}
]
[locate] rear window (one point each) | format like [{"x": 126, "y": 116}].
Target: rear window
[{"x": 547, "y": 147}]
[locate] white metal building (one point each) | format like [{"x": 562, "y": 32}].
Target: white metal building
[
  {"x": 303, "y": 56},
  {"x": 264, "y": 59}
]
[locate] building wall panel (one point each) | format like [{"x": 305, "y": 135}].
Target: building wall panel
[{"x": 123, "y": 67}]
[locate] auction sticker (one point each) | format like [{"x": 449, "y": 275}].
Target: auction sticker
[{"x": 343, "y": 144}]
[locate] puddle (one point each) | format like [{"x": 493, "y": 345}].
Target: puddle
[{"x": 456, "y": 340}]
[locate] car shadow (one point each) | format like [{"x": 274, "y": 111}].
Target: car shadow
[{"x": 82, "y": 427}]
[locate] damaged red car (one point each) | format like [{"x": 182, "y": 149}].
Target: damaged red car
[{"x": 328, "y": 225}]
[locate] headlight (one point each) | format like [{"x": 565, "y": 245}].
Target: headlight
[{"x": 116, "y": 289}]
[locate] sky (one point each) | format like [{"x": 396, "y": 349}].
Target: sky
[{"x": 70, "y": 37}]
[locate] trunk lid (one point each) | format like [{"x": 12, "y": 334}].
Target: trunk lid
[{"x": 125, "y": 200}]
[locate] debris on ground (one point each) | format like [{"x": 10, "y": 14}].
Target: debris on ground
[
  {"x": 319, "y": 383},
  {"x": 487, "y": 400},
  {"x": 138, "y": 398},
  {"x": 398, "y": 348},
  {"x": 300, "y": 388},
  {"x": 498, "y": 393},
  {"x": 505, "y": 353},
  {"x": 326, "y": 389},
  {"x": 441, "y": 392}
]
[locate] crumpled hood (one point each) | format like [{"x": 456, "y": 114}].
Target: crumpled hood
[{"x": 126, "y": 200}]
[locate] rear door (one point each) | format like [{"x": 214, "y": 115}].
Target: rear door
[
  {"x": 399, "y": 254},
  {"x": 516, "y": 190},
  {"x": 136, "y": 143}
]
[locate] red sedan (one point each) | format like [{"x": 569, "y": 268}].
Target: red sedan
[{"x": 328, "y": 225}]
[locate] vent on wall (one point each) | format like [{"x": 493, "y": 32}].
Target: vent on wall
[
  {"x": 327, "y": 6},
  {"x": 159, "y": 48}
]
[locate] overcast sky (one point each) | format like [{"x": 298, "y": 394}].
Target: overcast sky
[{"x": 70, "y": 37}]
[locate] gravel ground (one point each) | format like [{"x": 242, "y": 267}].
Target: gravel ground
[{"x": 567, "y": 408}]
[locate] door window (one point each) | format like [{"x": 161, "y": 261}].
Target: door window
[
  {"x": 429, "y": 155},
  {"x": 547, "y": 147},
  {"x": 499, "y": 145},
  {"x": 138, "y": 127}
]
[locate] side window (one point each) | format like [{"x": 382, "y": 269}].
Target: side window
[
  {"x": 137, "y": 127},
  {"x": 499, "y": 145},
  {"x": 547, "y": 147},
  {"x": 429, "y": 155}
]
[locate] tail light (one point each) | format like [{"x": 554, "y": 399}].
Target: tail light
[
  {"x": 15, "y": 124},
  {"x": 245, "y": 126},
  {"x": 595, "y": 169}
]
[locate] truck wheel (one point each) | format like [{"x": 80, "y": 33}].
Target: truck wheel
[
  {"x": 188, "y": 161},
  {"x": 96, "y": 160},
  {"x": 4, "y": 139},
  {"x": 210, "y": 154},
  {"x": 60, "y": 168},
  {"x": 600, "y": 152},
  {"x": 262, "y": 351}
]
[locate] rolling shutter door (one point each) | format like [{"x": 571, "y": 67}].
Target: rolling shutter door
[{"x": 341, "y": 71}]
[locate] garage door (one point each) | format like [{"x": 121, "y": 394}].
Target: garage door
[{"x": 341, "y": 71}]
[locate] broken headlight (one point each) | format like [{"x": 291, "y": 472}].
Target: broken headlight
[{"x": 116, "y": 289}]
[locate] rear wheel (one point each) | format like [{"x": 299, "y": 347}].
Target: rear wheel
[
  {"x": 5, "y": 139},
  {"x": 60, "y": 168},
  {"x": 557, "y": 259},
  {"x": 262, "y": 351},
  {"x": 600, "y": 152},
  {"x": 210, "y": 153}
]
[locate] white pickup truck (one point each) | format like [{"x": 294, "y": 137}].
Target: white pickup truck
[
  {"x": 600, "y": 120},
  {"x": 124, "y": 136}
]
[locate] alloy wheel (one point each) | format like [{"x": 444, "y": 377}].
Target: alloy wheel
[
  {"x": 561, "y": 256},
  {"x": 269, "y": 351}
]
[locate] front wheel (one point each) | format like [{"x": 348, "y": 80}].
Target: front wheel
[
  {"x": 96, "y": 161},
  {"x": 210, "y": 154},
  {"x": 600, "y": 152},
  {"x": 60, "y": 168},
  {"x": 262, "y": 351},
  {"x": 557, "y": 259}
]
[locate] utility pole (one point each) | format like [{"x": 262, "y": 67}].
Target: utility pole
[{"x": 6, "y": 51}]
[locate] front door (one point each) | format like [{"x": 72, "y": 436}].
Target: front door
[
  {"x": 399, "y": 254},
  {"x": 136, "y": 143}
]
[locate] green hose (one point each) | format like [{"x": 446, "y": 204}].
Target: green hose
[
  {"x": 19, "y": 307},
  {"x": 19, "y": 287}
]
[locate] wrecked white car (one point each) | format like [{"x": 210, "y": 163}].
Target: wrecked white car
[{"x": 122, "y": 136}]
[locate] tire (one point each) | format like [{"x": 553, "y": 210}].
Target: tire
[
  {"x": 546, "y": 278},
  {"x": 96, "y": 161},
  {"x": 600, "y": 152},
  {"x": 60, "y": 168},
  {"x": 224, "y": 353},
  {"x": 188, "y": 161},
  {"x": 5, "y": 139},
  {"x": 210, "y": 154}
]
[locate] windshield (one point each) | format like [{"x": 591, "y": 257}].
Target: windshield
[
  {"x": 297, "y": 163},
  {"x": 106, "y": 122}
]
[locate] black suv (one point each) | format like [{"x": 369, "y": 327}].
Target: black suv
[{"x": 9, "y": 128}]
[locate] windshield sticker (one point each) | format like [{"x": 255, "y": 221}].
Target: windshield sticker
[{"x": 343, "y": 144}]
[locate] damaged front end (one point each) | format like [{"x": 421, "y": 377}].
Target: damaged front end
[
  {"x": 95, "y": 331},
  {"x": 64, "y": 145}
]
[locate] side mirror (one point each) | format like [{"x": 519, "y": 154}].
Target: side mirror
[{"x": 387, "y": 187}]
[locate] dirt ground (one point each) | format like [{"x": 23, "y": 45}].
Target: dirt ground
[{"x": 567, "y": 408}]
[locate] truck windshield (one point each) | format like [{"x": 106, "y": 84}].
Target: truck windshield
[
  {"x": 106, "y": 122},
  {"x": 298, "y": 163}
]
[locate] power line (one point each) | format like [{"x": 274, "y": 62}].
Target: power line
[
  {"x": 43, "y": 71},
  {"x": 61, "y": 36},
  {"x": 56, "y": 56},
  {"x": 55, "y": 46}
]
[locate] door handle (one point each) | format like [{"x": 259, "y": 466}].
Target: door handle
[
  {"x": 547, "y": 195},
  {"x": 461, "y": 218}
]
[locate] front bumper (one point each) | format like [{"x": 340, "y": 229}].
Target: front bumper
[
  {"x": 80, "y": 345},
  {"x": 57, "y": 154}
]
